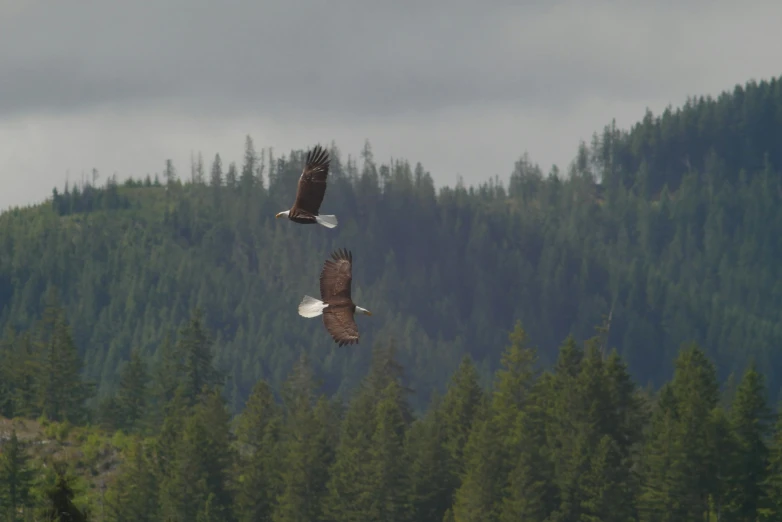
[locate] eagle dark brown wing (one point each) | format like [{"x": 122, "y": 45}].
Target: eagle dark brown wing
[
  {"x": 312, "y": 183},
  {"x": 336, "y": 277},
  {"x": 341, "y": 324},
  {"x": 335, "y": 281}
]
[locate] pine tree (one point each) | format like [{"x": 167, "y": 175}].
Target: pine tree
[
  {"x": 680, "y": 460},
  {"x": 723, "y": 442},
  {"x": 502, "y": 437},
  {"x": 384, "y": 369},
  {"x": 132, "y": 392},
  {"x": 349, "y": 495},
  {"x": 231, "y": 177},
  {"x": 195, "y": 346},
  {"x": 168, "y": 376},
  {"x": 61, "y": 392},
  {"x": 607, "y": 494},
  {"x": 259, "y": 466},
  {"x": 133, "y": 496},
  {"x": 479, "y": 497},
  {"x": 198, "y": 176},
  {"x": 431, "y": 480},
  {"x": 247, "y": 178},
  {"x": 308, "y": 449},
  {"x": 216, "y": 176},
  {"x": 662, "y": 498},
  {"x": 697, "y": 393},
  {"x": 389, "y": 486},
  {"x": 196, "y": 482},
  {"x": 16, "y": 479},
  {"x": 169, "y": 174},
  {"x": 531, "y": 495},
  {"x": 460, "y": 405},
  {"x": 58, "y": 498},
  {"x": 773, "y": 483},
  {"x": 514, "y": 380},
  {"x": 750, "y": 419},
  {"x": 26, "y": 370},
  {"x": 167, "y": 441},
  {"x": 7, "y": 388}
]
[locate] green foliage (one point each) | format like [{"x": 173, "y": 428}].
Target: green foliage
[
  {"x": 137, "y": 497},
  {"x": 16, "y": 479},
  {"x": 307, "y": 451},
  {"x": 259, "y": 466},
  {"x": 178, "y": 302},
  {"x": 574, "y": 442},
  {"x": 750, "y": 420},
  {"x": 672, "y": 226}
]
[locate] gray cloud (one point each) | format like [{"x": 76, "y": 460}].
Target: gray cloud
[
  {"x": 465, "y": 87},
  {"x": 359, "y": 59}
]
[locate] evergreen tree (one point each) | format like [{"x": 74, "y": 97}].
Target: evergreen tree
[
  {"x": 231, "y": 178},
  {"x": 167, "y": 377},
  {"x": 216, "y": 177},
  {"x": 350, "y": 495},
  {"x": 461, "y": 403},
  {"x": 7, "y": 345},
  {"x": 170, "y": 172},
  {"x": 259, "y": 465},
  {"x": 132, "y": 392},
  {"x": 773, "y": 483},
  {"x": 61, "y": 392},
  {"x": 514, "y": 380},
  {"x": 662, "y": 498},
  {"x": 247, "y": 178},
  {"x": 198, "y": 177},
  {"x": 195, "y": 346},
  {"x": 16, "y": 480},
  {"x": 431, "y": 481},
  {"x": 196, "y": 484},
  {"x": 750, "y": 419},
  {"x": 389, "y": 485},
  {"x": 59, "y": 498},
  {"x": 531, "y": 495},
  {"x": 480, "y": 494},
  {"x": 308, "y": 449},
  {"x": 133, "y": 496},
  {"x": 681, "y": 463}
]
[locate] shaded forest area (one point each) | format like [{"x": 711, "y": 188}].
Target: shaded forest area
[
  {"x": 578, "y": 441},
  {"x": 671, "y": 227},
  {"x": 156, "y": 369}
]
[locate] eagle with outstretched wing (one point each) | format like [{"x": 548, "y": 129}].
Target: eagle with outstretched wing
[
  {"x": 311, "y": 190},
  {"x": 335, "y": 303}
]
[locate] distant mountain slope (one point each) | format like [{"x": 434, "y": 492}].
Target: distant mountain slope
[{"x": 680, "y": 240}]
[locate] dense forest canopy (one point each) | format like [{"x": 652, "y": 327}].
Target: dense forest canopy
[
  {"x": 153, "y": 365},
  {"x": 671, "y": 227},
  {"x": 579, "y": 441}
]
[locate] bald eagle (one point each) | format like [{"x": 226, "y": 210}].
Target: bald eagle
[
  {"x": 336, "y": 306},
  {"x": 312, "y": 188}
]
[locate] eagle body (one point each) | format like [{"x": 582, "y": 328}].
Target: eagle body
[
  {"x": 311, "y": 190},
  {"x": 335, "y": 303}
]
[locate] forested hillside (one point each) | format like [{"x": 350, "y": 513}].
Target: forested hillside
[
  {"x": 672, "y": 227},
  {"x": 577, "y": 442}
]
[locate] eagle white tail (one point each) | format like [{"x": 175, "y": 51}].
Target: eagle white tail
[
  {"x": 329, "y": 221},
  {"x": 311, "y": 307}
]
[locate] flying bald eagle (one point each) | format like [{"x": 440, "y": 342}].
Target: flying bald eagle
[
  {"x": 337, "y": 307},
  {"x": 312, "y": 188}
]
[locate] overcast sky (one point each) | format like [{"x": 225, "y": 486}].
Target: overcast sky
[{"x": 464, "y": 87}]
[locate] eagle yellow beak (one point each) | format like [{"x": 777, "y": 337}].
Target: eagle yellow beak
[
  {"x": 368, "y": 313},
  {"x": 278, "y": 214}
]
